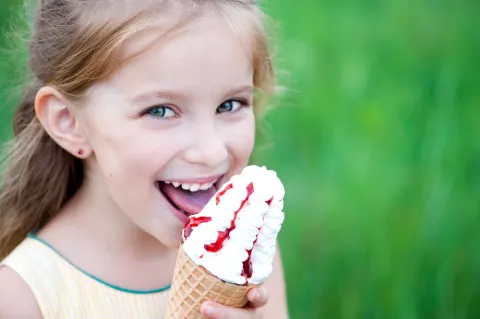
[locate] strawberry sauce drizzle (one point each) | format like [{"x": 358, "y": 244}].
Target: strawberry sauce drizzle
[
  {"x": 269, "y": 202},
  {"x": 247, "y": 271},
  {"x": 223, "y": 235},
  {"x": 247, "y": 264},
  {"x": 220, "y": 194},
  {"x": 194, "y": 222}
]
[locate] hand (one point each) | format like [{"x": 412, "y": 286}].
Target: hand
[{"x": 257, "y": 298}]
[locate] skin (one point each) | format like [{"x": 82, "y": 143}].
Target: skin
[{"x": 182, "y": 110}]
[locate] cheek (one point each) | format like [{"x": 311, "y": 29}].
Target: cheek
[
  {"x": 129, "y": 159},
  {"x": 241, "y": 139},
  {"x": 128, "y": 165},
  {"x": 123, "y": 150}
]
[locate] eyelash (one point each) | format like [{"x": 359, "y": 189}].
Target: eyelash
[
  {"x": 243, "y": 103},
  {"x": 166, "y": 107}
]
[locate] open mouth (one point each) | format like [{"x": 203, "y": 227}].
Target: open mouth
[{"x": 188, "y": 198}]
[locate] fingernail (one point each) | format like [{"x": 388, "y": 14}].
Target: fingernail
[
  {"x": 257, "y": 295},
  {"x": 209, "y": 310}
]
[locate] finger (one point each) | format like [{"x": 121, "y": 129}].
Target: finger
[
  {"x": 258, "y": 297},
  {"x": 214, "y": 310}
]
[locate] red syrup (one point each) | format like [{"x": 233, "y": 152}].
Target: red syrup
[
  {"x": 230, "y": 186},
  {"x": 269, "y": 202},
  {"x": 224, "y": 235},
  {"x": 247, "y": 264},
  {"x": 194, "y": 222}
]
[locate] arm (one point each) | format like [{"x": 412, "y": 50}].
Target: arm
[
  {"x": 275, "y": 285},
  {"x": 16, "y": 299}
]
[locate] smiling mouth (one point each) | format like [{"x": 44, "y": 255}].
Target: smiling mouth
[{"x": 189, "y": 199}]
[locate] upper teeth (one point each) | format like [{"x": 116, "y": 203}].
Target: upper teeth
[{"x": 193, "y": 187}]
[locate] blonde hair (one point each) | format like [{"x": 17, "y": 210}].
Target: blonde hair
[{"x": 73, "y": 45}]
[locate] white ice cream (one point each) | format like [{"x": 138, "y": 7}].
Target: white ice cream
[{"x": 255, "y": 228}]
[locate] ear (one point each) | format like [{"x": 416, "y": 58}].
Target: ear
[{"x": 57, "y": 116}]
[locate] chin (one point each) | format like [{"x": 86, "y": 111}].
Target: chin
[
  {"x": 172, "y": 243},
  {"x": 171, "y": 240}
]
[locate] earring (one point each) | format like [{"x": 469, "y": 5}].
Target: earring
[{"x": 81, "y": 152}]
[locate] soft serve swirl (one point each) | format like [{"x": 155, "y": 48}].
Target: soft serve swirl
[{"x": 234, "y": 236}]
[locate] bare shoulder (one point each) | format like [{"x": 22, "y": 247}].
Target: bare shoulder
[{"x": 16, "y": 298}]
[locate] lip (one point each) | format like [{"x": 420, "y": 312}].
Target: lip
[
  {"x": 199, "y": 180},
  {"x": 220, "y": 180}
]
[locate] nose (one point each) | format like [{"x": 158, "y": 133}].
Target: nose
[{"x": 207, "y": 146}]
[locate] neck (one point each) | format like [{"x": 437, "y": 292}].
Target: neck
[
  {"x": 102, "y": 223},
  {"x": 94, "y": 234}
]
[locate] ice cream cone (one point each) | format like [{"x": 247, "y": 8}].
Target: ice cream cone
[{"x": 193, "y": 284}]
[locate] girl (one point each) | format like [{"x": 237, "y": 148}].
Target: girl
[{"x": 138, "y": 112}]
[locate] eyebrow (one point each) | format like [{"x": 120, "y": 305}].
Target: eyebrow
[
  {"x": 169, "y": 95},
  {"x": 144, "y": 98},
  {"x": 241, "y": 89}
]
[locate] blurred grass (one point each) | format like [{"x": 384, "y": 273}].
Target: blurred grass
[{"x": 377, "y": 140}]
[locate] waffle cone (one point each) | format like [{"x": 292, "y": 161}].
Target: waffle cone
[{"x": 193, "y": 284}]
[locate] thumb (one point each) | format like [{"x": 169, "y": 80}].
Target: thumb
[{"x": 213, "y": 310}]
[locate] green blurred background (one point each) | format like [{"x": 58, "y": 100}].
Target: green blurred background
[{"x": 377, "y": 139}]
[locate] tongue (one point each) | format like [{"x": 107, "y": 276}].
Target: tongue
[{"x": 191, "y": 202}]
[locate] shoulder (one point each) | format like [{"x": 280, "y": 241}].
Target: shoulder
[{"x": 16, "y": 298}]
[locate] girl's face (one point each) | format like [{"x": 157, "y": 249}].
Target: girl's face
[{"x": 180, "y": 113}]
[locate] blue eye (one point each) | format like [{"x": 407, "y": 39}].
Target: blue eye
[
  {"x": 160, "y": 111},
  {"x": 229, "y": 106}
]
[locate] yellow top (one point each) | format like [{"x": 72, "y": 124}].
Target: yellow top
[{"x": 67, "y": 292}]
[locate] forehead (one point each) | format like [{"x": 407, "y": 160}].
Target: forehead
[{"x": 204, "y": 55}]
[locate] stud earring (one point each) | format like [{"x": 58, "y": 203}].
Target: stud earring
[{"x": 81, "y": 152}]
